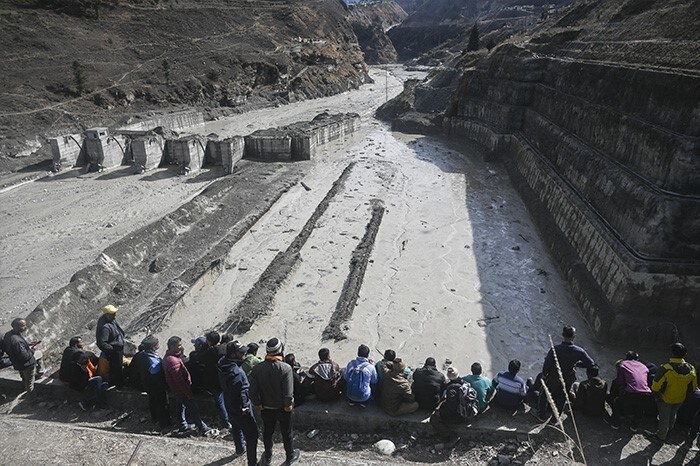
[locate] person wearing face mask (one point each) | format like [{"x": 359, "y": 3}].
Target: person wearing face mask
[{"x": 21, "y": 353}]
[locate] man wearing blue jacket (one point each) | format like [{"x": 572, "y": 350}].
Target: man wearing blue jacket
[
  {"x": 360, "y": 375},
  {"x": 235, "y": 386}
]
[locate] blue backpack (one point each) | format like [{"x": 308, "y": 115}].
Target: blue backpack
[{"x": 357, "y": 378}]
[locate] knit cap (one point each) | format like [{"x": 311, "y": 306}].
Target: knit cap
[
  {"x": 274, "y": 346},
  {"x": 149, "y": 342}
]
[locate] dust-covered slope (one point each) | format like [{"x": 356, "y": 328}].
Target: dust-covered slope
[
  {"x": 63, "y": 71},
  {"x": 370, "y": 21}
]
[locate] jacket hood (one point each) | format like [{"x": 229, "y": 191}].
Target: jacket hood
[
  {"x": 682, "y": 368},
  {"x": 324, "y": 370}
]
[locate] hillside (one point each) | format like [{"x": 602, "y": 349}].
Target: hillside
[
  {"x": 370, "y": 23},
  {"x": 64, "y": 72},
  {"x": 438, "y": 29}
]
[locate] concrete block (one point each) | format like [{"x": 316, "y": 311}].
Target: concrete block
[
  {"x": 187, "y": 153},
  {"x": 269, "y": 144},
  {"x": 147, "y": 152},
  {"x": 226, "y": 153},
  {"x": 102, "y": 150},
  {"x": 65, "y": 150}
]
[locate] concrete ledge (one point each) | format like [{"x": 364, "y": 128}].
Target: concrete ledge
[{"x": 333, "y": 416}]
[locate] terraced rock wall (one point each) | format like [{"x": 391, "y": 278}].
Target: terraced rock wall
[{"x": 607, "y": 157}]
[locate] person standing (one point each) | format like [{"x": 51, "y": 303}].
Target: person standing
[
  {"x": 633, "y": 390},
  {"x": 570, "y": 357},
  {"x": 272, "y": 390},
  {"x": 674, "y": 381},
  {"x": 235, "y": 387},
  {"x": 180, "y": 383},
  {"x": 21, "y": 353},
  {"x": 110, "y": 339},
  {"x": 251, "y": 359},
  {"x": 148, "y": 370}
]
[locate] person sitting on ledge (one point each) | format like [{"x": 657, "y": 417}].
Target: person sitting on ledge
[
  {"x": 397, "y": 397},
  {"x": 360, "y": 376},
  {"x": 448, "y": 412},
  {"x": 75, "y": 346},
  {"x": 428, "y": 384},
  {"x": 590, "y": 395},
  {"x": 511, "y": 389},
  {"x": 482, "y": 385},
  {"x": 251, "y": 359},
  {"x": 302, "y": 384},
  {"x": 82, "y": 376},
  {"x": 327, "y": 377}
]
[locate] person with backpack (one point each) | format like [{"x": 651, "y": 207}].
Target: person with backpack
[
  {"x": 326, "y": 375},
  {"x": 360, "y": 376},
  {"x": 673, "y": 382},
  {"x": 458, "y": 405},
  {"x": 251, "y": 359}
]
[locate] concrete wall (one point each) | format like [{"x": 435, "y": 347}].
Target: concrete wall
[
  {"x": 65, "y": 150},
  {"x": 269, "y": 144},
  {"x": 226, "y": 153},
  {"x": 147, "y": 152},
  {"x": 187, "y": 153},
  {"x": 322, "y": 130},
  {"x": 174, "y": 121},
  {"x": 106, "y": 152}
]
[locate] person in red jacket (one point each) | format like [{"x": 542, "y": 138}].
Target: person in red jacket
[{"x": 180, "y": 383}]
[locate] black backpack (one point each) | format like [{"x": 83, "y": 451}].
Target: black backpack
[{"x": 467, "y": 403}]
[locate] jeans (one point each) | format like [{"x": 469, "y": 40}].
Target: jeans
[
  {"x": 667, "y": 418},
  {"x": 219, "y": 399},
  {"x": 270, "y": 417},
  {"x": 96, "y": 388},
  {"x": 244, "y": 430},
  {"x": 28, "y": 376},
  {"x": 189, "y": 406}
]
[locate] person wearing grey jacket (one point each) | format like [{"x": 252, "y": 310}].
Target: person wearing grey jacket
[{"x": 272, "y": 390}]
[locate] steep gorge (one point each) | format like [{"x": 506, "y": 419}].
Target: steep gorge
[{"x": 596, "y": 116}]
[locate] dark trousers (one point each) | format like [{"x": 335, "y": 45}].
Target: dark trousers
[
  {"x": 558, "y": 395},
  {"x": 116, "y": 366},
  {"x": 444, "y": 429},
  {"x": 158, "y": 405},
  {"x": 695, "y": 428},
  {"x": 630, "y": 404},
  {"x": 244, "y": 430},
  {"x": 270, "y": 418}
]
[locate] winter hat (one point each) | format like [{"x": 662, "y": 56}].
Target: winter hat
[
  {"x": 236, "y": 347},
  {"x": 109, "y": 309},
  {"x": 452, "y": 373},
  {"x": 149, "y": 342},
  {"x": 274, "y": 346}
]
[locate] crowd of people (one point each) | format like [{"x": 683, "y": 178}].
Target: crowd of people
[{"x": 238, "y": 380}]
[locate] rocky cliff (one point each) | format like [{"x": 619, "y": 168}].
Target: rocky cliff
[
  {"x": 69, "y": 64},
  {"x": 438, "y": 29},
  {"x": 596, "y": 115},
  {"x": 370, "y": 22}
]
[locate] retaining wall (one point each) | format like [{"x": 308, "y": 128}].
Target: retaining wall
[
  {"x": 321, "y": 130},
  {"x": 174, "y": 121},
  {"x": 613, "y": 193}
]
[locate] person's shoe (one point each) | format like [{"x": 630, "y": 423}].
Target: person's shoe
[
  {"x": 240, "y": 452},
  {"x": 652, "y": 435},
  {"x": 295, "y": 456},
  {"x": 84, "y": 406},
  {"x": 185, "y": 430},
  {"x": 265, "y": 461},
  {"x": 210, "y": 433}
]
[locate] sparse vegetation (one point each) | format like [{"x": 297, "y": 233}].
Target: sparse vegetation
[
  {"x": 78, "y": 77},
  {"x": 473, "y": 39}
]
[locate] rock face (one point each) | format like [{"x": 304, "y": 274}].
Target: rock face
[
  {"x": 597, "y": 121},
  {"x": 231, "y": 55},
  {"x": 370, "y": 23},
  {"x": 439, "y": 29}
]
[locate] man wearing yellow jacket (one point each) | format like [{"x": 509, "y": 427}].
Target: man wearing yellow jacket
[{"x": 673, "y": 382}]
